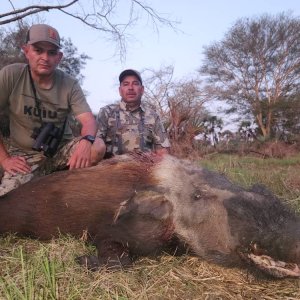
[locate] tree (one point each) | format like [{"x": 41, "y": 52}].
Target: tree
[
  {"x": 246, "y": 131},
  {"x": 72, "y": 62},
  {"x": 103, "y": 16},
  {"x": 11, "y": 42},
  {"x": 158, "y": 86},
  {"x": 212, "y": 129},
  {"x": 179, "y": 102},
  {"x": 256, "y": 66},
  {"x": 287, "y": 119}
]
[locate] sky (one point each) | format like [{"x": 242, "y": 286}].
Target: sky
[{"x": 199, "y": 24}]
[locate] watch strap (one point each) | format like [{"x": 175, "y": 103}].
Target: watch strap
[{"x": 89, "y": 138}]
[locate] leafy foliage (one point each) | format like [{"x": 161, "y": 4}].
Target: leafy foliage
[
  {"x": 72, "y": 62},
  {"x": 256, "y": 66},
  {"x": 287, "y": 119},
  {"x": 11, "y": 42}
]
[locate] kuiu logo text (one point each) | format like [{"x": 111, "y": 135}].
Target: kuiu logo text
[{"x": 37, "y": 112}]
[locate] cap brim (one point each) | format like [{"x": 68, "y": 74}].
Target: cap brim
[
  {"x": 130, "y": 73},
  {"x": 44, "y": 40}
]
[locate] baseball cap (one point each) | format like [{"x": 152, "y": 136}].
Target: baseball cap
[
  {"x": 130, "y": 72},
  {"x": 42, "y": 33}
]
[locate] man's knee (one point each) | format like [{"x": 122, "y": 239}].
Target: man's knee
[{"x": 11, "y": 182}]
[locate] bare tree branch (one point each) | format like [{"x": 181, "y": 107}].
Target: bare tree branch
[
  {"x": 180, "y": 103},
  {"x": 30, "y": 10},
  {"x": 155, "y": 17},
  {"x": 101, "y": 15}
]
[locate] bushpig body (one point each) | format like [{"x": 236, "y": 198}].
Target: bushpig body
[{"x": 135, "y": 205}]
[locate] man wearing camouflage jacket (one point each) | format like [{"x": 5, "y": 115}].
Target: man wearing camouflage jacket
[{"x": 129, "y": 125}]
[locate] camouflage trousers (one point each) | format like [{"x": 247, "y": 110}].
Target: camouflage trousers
[{"x": 40, "y": 165}]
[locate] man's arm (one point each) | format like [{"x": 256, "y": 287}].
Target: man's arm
[
  {"x": 81, "y": 157},
  {"x": 88, "y": 122},
  {"x": 87, "y": 153},
  {"x": 98, "y": 147}
]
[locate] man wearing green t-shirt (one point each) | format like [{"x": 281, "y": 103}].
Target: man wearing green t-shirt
[{"x": 40, "y": 99}]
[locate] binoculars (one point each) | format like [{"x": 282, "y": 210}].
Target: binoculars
[{"x": 47, "y": 138}]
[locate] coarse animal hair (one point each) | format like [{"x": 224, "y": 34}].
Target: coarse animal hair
[{"x": 135, "y": 205}]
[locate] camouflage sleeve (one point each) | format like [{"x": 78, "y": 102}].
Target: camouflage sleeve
[
  {"x": 102, "y": 122},
  {"x": 160, "y": 134}
]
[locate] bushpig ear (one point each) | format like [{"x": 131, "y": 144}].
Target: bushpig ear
[
  {"x": 150, "y": 203},
  {"x": 157, "y": 206},
  {"x": 124, "y": 208}
]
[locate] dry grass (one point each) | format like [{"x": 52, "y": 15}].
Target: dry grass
[{"x": 165, "y": 277}]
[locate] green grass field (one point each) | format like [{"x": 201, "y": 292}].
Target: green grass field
[
  {"x": 30, "y": 269},
  {"x": 281, "y": 176}
]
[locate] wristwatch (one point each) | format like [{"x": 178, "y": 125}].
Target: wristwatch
[{"x": 89, "y": 138}]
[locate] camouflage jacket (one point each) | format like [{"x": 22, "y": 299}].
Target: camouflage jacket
[{"x": 123, "y": 130}]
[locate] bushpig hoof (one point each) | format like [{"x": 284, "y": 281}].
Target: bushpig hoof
[
  {"x": 113, "y": 256},
  {"x": 90, "y": 262}
]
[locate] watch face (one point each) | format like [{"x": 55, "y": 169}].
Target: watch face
[{"x": 90, "y": 138}]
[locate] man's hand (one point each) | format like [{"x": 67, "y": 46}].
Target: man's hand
[
  {"x": 15, "y": 164},
  {"x": 81, "y": 158}
]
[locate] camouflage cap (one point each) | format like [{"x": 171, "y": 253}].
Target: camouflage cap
[
  {"x": 130, "y": 72},
  {"x": 42, "y": 33}
]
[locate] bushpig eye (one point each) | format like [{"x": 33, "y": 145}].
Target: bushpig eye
[{"x": 197, "y": 195}]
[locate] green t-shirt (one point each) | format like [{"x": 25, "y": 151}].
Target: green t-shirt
[{"x": 56, "y": 103}]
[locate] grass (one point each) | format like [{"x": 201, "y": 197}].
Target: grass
[
  {"x": 30, "y": 269},
  {"x": 35, "y": 270},
  {"x": 25, "y": 276},
  {"x": 281, "y": 176}
]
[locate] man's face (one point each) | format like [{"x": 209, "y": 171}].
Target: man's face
[
  {"x": 131, "y": 90},
  {"x": 43, "y": 57}
]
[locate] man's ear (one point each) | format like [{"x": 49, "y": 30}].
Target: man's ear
[
  {"x": 60, "y": 56},
  {"x": 25, "y": 49}
]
